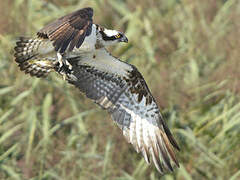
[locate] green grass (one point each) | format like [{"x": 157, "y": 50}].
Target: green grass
[{"x": 188, "y": 52}]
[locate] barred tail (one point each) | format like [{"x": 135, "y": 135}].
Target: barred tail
[
  {"x": 26, "y": 48},
  {"x": 26, "y": 55}
]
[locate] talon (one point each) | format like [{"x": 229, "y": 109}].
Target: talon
[
  {"x": 68, "y": 64},
  {"x": 64, "y": 75},
  {"x": 63, "y": 62},
  {"x": 59, "y": 69},
  {"x": 64, "y": 68}
]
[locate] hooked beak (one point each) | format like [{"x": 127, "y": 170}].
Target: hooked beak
[{"x": 124, "y": 39}]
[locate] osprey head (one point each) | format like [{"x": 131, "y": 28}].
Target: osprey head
[{"x": 110, "y": 37}]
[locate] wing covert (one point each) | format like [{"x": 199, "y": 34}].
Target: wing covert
[
  {"x": 138, "y": 117},
  {"x": 70, "y": 30}
]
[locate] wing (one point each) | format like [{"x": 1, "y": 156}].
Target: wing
[
  {"x": 69, "y": 30},
  {"x": 132, "y": 107}
]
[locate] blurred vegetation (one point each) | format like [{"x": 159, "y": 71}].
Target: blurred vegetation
[{"x": 188, "y": 52}]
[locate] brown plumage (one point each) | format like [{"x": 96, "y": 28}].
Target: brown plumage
[{"x": 69, "y": 30}]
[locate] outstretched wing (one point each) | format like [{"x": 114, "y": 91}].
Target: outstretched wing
[
  {"x": 70, "y": 30},
  {"x": 131, "y": 105}
]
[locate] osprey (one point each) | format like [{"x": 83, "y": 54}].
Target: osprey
[
  {"x": 68, "y": 36},
  {"x": 75, "y": 47}
]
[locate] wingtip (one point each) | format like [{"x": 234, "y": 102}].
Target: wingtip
[
  {"x": 146, "y": 154},
  {"x": 175, "y": 144},
  {"x": 169, "y": 135}
]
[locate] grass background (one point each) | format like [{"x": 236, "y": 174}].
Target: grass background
[{"x": 188, "y": 52}]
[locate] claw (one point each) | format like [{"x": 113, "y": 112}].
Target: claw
[
  {"x": 63, "y": 73},
  {"x": 64, "y": 68},
  {"x": 68, "y": 64},
  {"x": 63, "y": 62}
]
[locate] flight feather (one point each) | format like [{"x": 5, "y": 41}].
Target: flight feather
[
  {"x": 127, "y": 98},
  {"x": 69, "y": 30}
]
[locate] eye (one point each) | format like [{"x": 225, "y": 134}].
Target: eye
[{"x": 117, "y": 36}]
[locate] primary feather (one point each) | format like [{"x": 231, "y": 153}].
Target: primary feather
[
  {"x": 116, "y": 86},
  {"x": 69, "y": 30},
  {"x": 119, "y": 88}
]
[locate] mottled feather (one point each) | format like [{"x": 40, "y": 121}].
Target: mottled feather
[
  {"x": 27, "y": 56},
  {"x": 118, "y": 92}
]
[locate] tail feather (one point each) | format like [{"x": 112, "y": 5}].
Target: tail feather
[
  {"x": 26, "y": 55},
  {"x": 38, "y": 68},
  {"x": 26, "y": 48}
]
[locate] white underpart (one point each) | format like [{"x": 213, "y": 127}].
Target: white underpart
[{"x": 105, "y": 62}]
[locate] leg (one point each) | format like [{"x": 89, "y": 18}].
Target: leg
[
  {"x": 64, "y": 68},
  {"x": 60, "y": 59},
  {"x": 68, "y": 64}
]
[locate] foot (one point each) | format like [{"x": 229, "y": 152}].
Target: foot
[
  {"x": 63, "y": 62},
  {"x": 60, "y": 59},
  {"x": 64, "y": 72},
  {"x": 68, "y": 64}
]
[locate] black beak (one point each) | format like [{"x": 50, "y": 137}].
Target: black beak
[{"x": 124, "y": 39}]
